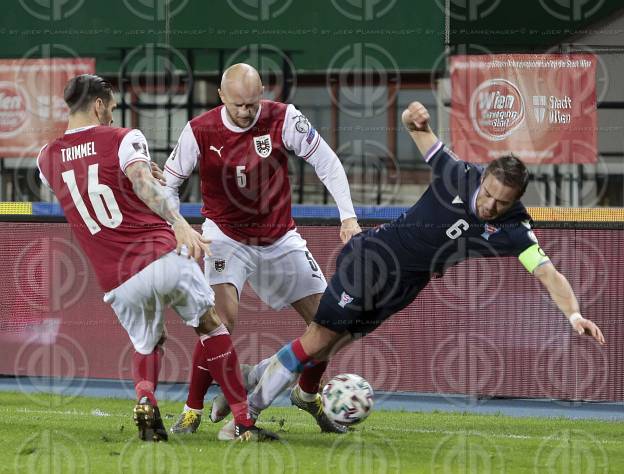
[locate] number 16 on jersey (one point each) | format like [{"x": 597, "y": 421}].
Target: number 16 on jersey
[{"x": 99, "y": 194}]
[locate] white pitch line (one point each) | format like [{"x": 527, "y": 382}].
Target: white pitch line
[
  {"x": 464, "y": 432},
  {"x": 95, "y": 412},
  {"x": 98, "y": 413}
]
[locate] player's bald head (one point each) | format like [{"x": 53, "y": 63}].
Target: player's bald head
[
  {"x": 241, "y": 92},
  {"x": 241, "y": 78}
]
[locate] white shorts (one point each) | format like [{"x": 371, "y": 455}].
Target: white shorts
[
  {"x": 139, "y": 303},
  {"x": 280, "y": 273}
]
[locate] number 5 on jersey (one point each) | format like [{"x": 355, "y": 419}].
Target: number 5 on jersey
[
  {"x": 241, "y": 177},
  {"x": 99, "y": 194}
]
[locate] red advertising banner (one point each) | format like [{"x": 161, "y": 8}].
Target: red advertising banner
[
  {"x": 540, "y": 107},
  {"x": 32, "y": 109},
  {"x": 495, "y": 332}
]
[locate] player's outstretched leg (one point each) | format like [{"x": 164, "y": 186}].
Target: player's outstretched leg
[
  {"x": 304, "y": 396},
  {"x": 146, "y": 368},
  {"x": 282, "y": 370}
]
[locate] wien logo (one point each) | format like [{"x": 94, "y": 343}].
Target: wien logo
[
  {"x": 12, "y": 109},
  {"x": 496, "y": 109}
]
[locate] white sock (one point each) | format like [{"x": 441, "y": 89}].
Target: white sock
[
  {"x": 188, "y": 408},
  {"x": 274, "y": 380},
  {"x": 305, "y": 396}
]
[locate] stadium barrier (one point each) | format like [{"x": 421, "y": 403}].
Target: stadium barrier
[{"x": 486, "y": 329}]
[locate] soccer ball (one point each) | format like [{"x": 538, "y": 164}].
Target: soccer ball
[{"x": 347, "y": 399}]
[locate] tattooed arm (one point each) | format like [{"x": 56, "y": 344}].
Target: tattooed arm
[{"x": 147, "y": 188}]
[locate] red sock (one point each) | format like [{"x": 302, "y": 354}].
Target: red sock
[
  {"x": 297, "y": 349},
  {"x": 219, "y": 357},
  {"x": 200, "y": 379},
  {"x": 310, "y": 379},
  {"x": 145, "y": 370}
]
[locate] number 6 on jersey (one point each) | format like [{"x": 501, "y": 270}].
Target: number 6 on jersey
[{"x": 457, "y": 229}]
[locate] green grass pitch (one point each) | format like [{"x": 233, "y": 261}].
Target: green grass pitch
[{"x": 49, "y": 434}]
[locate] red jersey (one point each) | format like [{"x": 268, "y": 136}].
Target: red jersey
[
  {"x": 244, "y": 175},
  {"x": 244, "y": 171},
  {"x": 118, "y": 233}
]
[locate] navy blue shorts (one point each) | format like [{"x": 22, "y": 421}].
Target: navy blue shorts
[{"x": 367, "y": 288}]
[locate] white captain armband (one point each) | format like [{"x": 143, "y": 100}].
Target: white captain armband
[{"x": 533, "y": 257}]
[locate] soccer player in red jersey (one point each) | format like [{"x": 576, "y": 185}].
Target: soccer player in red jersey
[
  {"x": 242, "y": 150},
  {"x": 140, "y": 248}
]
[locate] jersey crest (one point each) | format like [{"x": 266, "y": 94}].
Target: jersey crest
[
  {"x": 263, "y": 146},
  {"x": 345, "y": 299},
  {"x": 219, "y": 265},
  {"x": 489, "y": 231}
]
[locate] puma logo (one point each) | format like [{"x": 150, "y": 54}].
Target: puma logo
[{"x": 212, "y": 148}]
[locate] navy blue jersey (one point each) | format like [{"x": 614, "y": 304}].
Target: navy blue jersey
[{"x": 441, "y": 229}]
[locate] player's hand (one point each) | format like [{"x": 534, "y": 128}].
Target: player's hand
[
  {"x": 585, "y": 326},
  {"x": 416, "y": 117},
  {"x": 157, "y": 173},
  {"x": 349, "y": 228},
  {"x": 188, "y": 237}
]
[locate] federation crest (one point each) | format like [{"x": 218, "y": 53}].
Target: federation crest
[
  {"x": 263, "y": 146},
  {"x": 489, "y": 231},
  {"x": 219, "y": 265},
  {"x": 345, "y": 299}
]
